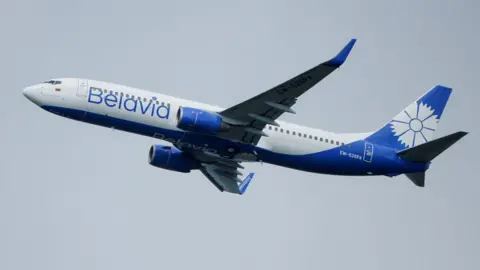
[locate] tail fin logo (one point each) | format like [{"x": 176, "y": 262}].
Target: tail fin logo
[{"x": 415, "y": 125}]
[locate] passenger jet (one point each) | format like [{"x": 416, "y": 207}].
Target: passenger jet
[{"x": 216, "y": 141}]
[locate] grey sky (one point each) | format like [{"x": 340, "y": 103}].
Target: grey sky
[{"x": 76, "y": 196}]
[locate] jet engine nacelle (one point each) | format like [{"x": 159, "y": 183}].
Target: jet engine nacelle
[
  {"x": 171, "y": 158},
  {"x": 196, "y": 120}
]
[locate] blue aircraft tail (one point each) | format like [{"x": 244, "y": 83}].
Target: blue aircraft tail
[{"x": 416, "y": 124}]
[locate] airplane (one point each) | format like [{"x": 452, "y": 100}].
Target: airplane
[{"x": 216, "y": 141}]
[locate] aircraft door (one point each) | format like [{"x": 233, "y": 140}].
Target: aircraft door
[
  {"x": 82, "y": 88},
  {"x": 368, "y": 153}
]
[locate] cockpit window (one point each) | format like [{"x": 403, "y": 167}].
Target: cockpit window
[{"x": 53, "y": 82}]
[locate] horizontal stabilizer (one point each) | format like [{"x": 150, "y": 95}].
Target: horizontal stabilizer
[
  {"x": 428, "y": 151},
  {"x": 417, "y": 178}
]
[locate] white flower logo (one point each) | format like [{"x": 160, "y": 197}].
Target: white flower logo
[{"x": 415, "y": 125}]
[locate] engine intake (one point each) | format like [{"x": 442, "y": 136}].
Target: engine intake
[
  {"x": 196, "y": 120},
  {"x": 170, "y": 158}
]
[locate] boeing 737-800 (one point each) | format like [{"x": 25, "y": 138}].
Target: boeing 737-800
[{"x": 217, "y": 141}]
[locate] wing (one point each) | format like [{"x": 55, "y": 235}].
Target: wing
[
  {"x": 225, "y": 178},
  {"x": 250, "y": 117},
  {"x": 223, "y": 173}
]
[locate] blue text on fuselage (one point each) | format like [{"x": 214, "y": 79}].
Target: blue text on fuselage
[{"x": 129, "y": 104}]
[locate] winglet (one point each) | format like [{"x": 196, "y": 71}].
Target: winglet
[
  {"x": 340, "y": 58},
  {"x": 243, "y": 186}
]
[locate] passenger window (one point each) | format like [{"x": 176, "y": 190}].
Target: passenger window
[
  {"x": 144, "y": 100},
  {"x": 310, "y": 137},
  {"x": 105, "y": 91},
  {"x": 111, "y": 92},
  {"x": 270, "y": 127},
  {"x": 316, "y": 138},
  {"x": 288, "y": 132},
  {"x": 157, "y": 102},
  {"x": 299, "y": 134},
  {"x": 128, "y": 95},
  {"x": 276, "y": 129},
  {"x": 343, "y": 144},
  {"x": 281, "y": 130},
  {"x": 338, "y": 143},
  {"x": 293, "y": 133},
  {"x": 304, "y": 135},
  {"x": 116, "y": 93}
]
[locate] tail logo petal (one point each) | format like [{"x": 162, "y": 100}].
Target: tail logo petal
[{"x": 415, "y": 125}]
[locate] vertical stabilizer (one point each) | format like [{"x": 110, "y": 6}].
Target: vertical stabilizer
[{"x": 416, "y": 124}]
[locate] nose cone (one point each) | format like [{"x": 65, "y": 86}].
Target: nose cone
[
  {"x": 28, "y": 92},
  {"x": 31, "y": 93}
]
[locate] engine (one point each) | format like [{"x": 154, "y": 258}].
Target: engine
[
  {"x": 196, "y": 120},
  {"x": 171, "y": 158}
]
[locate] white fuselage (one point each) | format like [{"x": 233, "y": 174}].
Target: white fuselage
[
  {"x": 158, "y": 110},
  {"x": 277, "y": 141}
]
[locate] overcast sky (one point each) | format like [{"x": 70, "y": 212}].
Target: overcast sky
[{"x": 77, "y": 196}]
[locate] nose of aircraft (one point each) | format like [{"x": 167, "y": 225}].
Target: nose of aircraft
[
  {"x": 27, "y": 92},
  {"x": 32, "y": 93}
]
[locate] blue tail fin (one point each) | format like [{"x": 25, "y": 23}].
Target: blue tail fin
[{"x": 416, "y": 124}]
